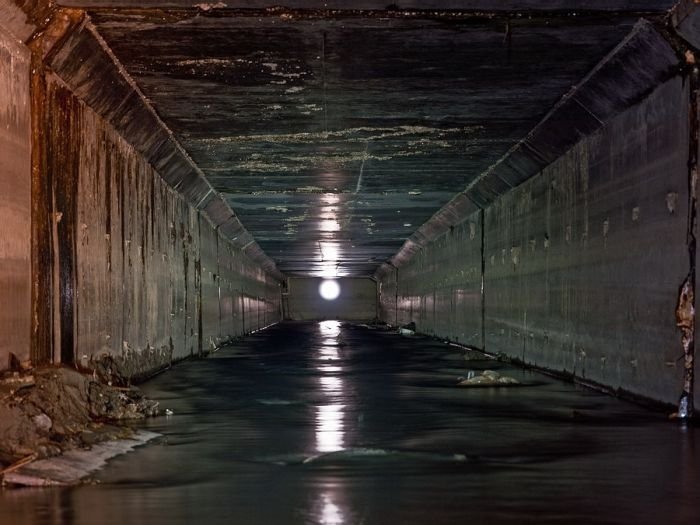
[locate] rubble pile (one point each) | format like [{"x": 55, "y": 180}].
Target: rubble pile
[
  {"x": 488, "y": 378},
  {"x": 45, "y": 412}
]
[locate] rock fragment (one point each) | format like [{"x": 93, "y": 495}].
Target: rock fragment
[{"x": 488, "y": 378}]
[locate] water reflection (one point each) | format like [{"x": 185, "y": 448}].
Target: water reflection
[
  {"x": 333, "y": 386},
  {"x": 330, "y": 257},
  {"x": 330, "y": 330},
  {"x": 331, "y": 513},
  {"x": 330, "y": 417},
  {"x": 329, "y": 428},
  {"x": 330, "y": 225},
  {"x": 565, "y": 455},
  {"x": 329, "y": 248},
  {"x": 330, "y": 369}
]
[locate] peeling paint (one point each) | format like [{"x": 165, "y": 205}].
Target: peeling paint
[
  {"x": 685, "y": 310},
  {"x": 685, "y": 320},
  {"x": 671, "y": 202},
  {"x": 310, "y": 189},
  {"x": 357, "y": 134},
  {"x": 352, "y": 77}
]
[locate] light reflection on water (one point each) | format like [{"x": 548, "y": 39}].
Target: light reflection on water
[
  {"x": 382, "y": 437},
  {"x": 329, "y": 417},
  {"x": 330, "y": 385},
  {"x": 330, "y": 512},
  {"x": 329, "y": 248},
  {"x": 329, "y": 369},
  {"x": 329, "y": 428},
  {"x": 330, "y": 330}
]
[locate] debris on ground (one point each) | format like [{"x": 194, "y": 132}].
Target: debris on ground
[
  {"x": 408, "y": 329},
  {"x": 488, "y": 378},
  {"x": 374, "y": 324},
  {"x": 72, "y": 466},
  {"x": 47, "y": 411},
  {"x": 475, "y": 355}
]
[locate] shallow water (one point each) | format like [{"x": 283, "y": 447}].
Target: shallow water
[{"x": 324, "y": 423}]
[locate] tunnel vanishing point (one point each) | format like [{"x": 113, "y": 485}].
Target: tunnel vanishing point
[{"x": 515, "y": 176}]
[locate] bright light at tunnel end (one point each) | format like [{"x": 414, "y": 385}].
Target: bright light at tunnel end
[{"x": 329, "y": 290}]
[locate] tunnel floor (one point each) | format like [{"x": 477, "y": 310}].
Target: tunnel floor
[{"x": 330, "y": 423}]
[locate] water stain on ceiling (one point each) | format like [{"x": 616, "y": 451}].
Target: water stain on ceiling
[{"x": 334, "y": 135}]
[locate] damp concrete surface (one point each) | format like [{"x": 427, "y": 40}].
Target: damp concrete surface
[{"x": 337, "y": 423}]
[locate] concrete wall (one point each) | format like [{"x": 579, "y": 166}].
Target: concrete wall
[
  {"x": 96, "y": 245},
  {"x": 152, "y": 280},
  {"x": 15, "y": 200},
  {"x": 357, "y": 300},
  {"x": 582, "y": 263},
  {"x": 440, "y": 288}
]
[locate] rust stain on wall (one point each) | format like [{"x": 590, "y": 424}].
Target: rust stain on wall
[
  {"x": 685, "y": 311},
  {"x": 15, "y": 199},
  {"x": 685, "y": 320}
]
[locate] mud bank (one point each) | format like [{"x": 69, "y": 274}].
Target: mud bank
[{"x": 47, "y": 412}]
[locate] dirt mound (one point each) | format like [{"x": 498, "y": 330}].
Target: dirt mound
[{"x": 44, "y": 412}]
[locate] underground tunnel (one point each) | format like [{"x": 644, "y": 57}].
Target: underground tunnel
[{"x": 335, "y": 262}]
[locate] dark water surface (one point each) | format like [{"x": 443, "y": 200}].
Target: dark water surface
[{"x": 329, "y": 424}]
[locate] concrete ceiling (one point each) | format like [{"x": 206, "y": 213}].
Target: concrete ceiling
[{"x": 335, "y": 134}]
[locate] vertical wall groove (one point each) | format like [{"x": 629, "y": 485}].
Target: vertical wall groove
[{"x": 42, "y": 222}]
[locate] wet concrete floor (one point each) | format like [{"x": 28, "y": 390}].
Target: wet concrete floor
[{"x": 323, "y": 423}]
